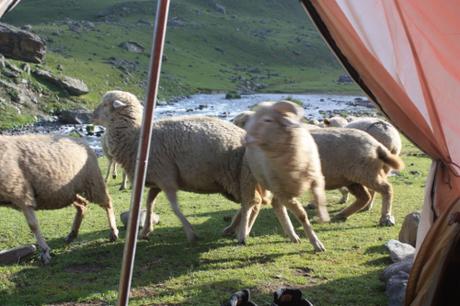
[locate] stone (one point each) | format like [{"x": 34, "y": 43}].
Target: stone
[
  {"x": 398, "y": 250},
  {"x": 77, "y": 116},
  {"x": 12, "y": 256},
  {"x": 21, "y": 45},
  {"x": 396, "y": 289},
  {"x": 132, "y": 46},
  {"x": 404, "y": 265},
  {"x": 408, "y": 232},
  {"x": 220, "y": 8},
  {"x": 344, "y": 78},
  {"x": 74, "y": 87},
  {"x": 124, "y": 217}
]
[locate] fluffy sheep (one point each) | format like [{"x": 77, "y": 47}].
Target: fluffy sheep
[
  {"x": 383, "y": 132},
  {"x": 335, "y": 121},
  {"x": 195, "y": 154},
  {"x": 284, "y": 159},
  {"x": 354, "y": 159},
  {"x": 51, "y": 172},
  {"x": 112, "y": 166}
]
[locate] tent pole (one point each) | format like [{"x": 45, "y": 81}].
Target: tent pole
[{"x": 143, "y": 152}]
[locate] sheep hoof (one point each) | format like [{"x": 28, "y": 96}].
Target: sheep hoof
[
  {"x": 339, "y": 218},
  {"x": 45, "y": 256},
  {"x": 192, "y": 238},
  {"x": 70, "y": 237},
  {"x": 311, "y": 205},
  {"x": 114, "y": 177},
  {"x": 342, "y": 201},
  {"x": 318, "y": 246},
  {"x": 387, "y": 221},
  {"x": 295, "y": 239},
  {"x": 242, "y": 242},
  {"x": 228, "y": 231},
  {"x": 122, "y": 188},
  {"x": 113, "y": 236}
]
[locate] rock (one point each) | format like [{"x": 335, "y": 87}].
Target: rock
[
  {"x": 220, "y": 8},
  {"x": 78, "y": 116},
  {"x": 408, "y": 232},
  {"x": 404, "y": 265},
  {"x": 398, "y": 250},
  {"x": 132, "y": 46},
  {"x": 176, "y": 22},
  {"x": 73, "y": 86},
  {"x": 344, "y": 78},
  {"x": 14, "y": 255},
  {"x": 396, "y": 289},
  {"x": 21, "y": 45},
  {"x": 125, "y": 217}
]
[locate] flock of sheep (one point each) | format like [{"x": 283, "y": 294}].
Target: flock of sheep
[{"x": 266, "y": 156}]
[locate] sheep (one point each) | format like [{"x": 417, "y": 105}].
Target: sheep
[
  {"x": 195, "y": 154},
  {"x": 284, "y": 159},
  {"x": 354, "y": 159},
  {"x": 112, "y": 166},
  {"x": 51, "y": 172},
  {"x": 335, "y": 121},
  {"x": 383, "y": 132}
]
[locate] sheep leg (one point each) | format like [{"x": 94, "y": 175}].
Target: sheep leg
[
  {"x": 283, "y": 218},
  {"x": 302, "y": 216},
  {"x": 386, "y": 190},
  {"x": 148, "y": 225},
  {"x": 244, "y": 223},
  {"x": 230, "y": 230},
  {"x": 108, "y": 207},
  {"x": 362, "y": 198},
  {"x": 345, "y": 195},
  {"x": 114, "y": 170},
  {"x": 80, "y": 206},
  {"x": 124, "y": 182},
  {"x": 319, "y": 196},
  {"x": 172, "y": 198},
  {"x": 29, "y": 213},
  {"x": 371, "y": 202},
  {"x": 109, "y": 168}
]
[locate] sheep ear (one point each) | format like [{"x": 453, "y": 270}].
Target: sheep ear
[
  {"x": 289, "y": 121},
  {"x": 118, "y": 104},
  {"x": 284, "y": 107}
]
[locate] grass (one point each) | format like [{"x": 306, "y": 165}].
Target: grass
[{"x": 170, "y": 271}]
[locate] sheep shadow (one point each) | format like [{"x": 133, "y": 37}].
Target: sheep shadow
[{"x": 91, "y": 265}]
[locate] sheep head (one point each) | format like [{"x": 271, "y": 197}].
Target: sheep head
[
  {"x": 273, "y": 125},
  {"x": 117, "y": 104}
]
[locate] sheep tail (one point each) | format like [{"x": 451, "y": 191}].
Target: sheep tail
[{"x": 391, "y": 160}]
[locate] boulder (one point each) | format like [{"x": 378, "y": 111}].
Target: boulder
[
  {"x": 398, "y": 250},
  {"x": 408, "y": 232},
  {"x": 132, "y": 46},
  {"x": 14, "y": 255},
  {"x": 77, "y": 116},
  {"x": 21, "y": 45},
  {"x": 73, "y": 86},
  {"x": 404, "y": 265},
  {"x": 396, "y": 289},
  {"x": 124, "y": 217}
]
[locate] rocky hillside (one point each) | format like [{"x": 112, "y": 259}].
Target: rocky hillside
[{"x": 211, "y": 45}]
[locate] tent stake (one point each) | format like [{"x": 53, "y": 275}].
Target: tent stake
[{"x": 143, "y": 152}]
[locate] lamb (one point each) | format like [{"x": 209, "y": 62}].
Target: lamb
[
  {"x": 284, "y": 159},
  {"x": 112, "y": 166},
  {"x": 51, "y": 172},
  {"x": 195, "y": 154},
  {"x": 383, "y": 132}
]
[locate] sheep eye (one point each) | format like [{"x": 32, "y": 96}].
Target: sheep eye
[{"x": 268, "y": 120}]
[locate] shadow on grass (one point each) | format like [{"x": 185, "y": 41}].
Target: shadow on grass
[{"x": 90, "y": 266}]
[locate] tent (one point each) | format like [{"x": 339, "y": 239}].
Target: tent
[{"x": 403, "y": 54}]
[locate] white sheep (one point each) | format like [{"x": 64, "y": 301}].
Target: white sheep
[
  {"x": 383, "y": 132},
  {"x": 284, "y": 159},
  {"x": 51, "y": 172},
  {"x": 195, "y": 154},
  {"x": 112, "y": 166}
]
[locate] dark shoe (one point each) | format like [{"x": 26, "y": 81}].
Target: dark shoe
[
  {"x": 289, "y": 297},
  {"x": 240, "y": 298}
]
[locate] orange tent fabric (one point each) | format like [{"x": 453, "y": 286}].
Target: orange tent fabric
[{"x": 404, "y": 54}]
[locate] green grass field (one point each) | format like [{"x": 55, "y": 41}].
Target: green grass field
[{"x": 170, "y": 271}]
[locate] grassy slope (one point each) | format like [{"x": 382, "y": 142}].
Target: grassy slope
[
  {"x": 169, "y": 271},
  {"x": 193, "y": 63}
]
